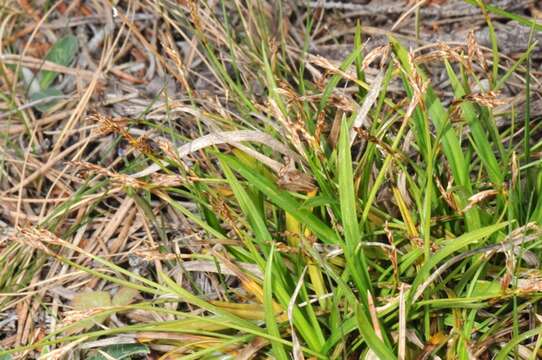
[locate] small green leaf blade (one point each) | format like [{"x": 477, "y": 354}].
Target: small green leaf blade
[{"x": 62, "y": 53}]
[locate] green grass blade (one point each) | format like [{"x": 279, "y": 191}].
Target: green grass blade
[
  {"x": 270, "y": 320},
  {"x": 479, "y": 137},
  {"x": 370, "y": 337},
  {"x": 284, "y": 200},
  {"x": 347, "y": 196},
  {"x": 451, "y": 246}
]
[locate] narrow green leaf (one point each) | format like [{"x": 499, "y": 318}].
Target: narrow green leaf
[
  {"x": 353, "y": 251},
  {"x": 370, "y": 337},
  {"x": 512, "y": 69},
  {"x": 248, "y": 206},
  {"x": 270, "y": 320},
  {"x": 335, "y": 79},
  {"x": 195, "y": 300},
  {"x": 512, "y": 16},
  {"x": 503, "y": 354}
]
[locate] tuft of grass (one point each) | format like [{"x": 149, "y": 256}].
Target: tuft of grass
[{"x": 277, "y": 204}]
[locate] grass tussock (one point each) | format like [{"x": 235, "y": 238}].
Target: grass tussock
[{"x": 199, "y": 180}]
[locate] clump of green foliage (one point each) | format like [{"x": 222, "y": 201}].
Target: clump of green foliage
[{"x": 400, "y": 222}]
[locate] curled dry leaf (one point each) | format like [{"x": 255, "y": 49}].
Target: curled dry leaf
[
  {"x": 479, "y": 197},
  {"x": 369, "y": 101},
  {"x": 224, "y": 137}
]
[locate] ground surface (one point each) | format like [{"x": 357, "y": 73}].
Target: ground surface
[{"x": 270, "y": 179}]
